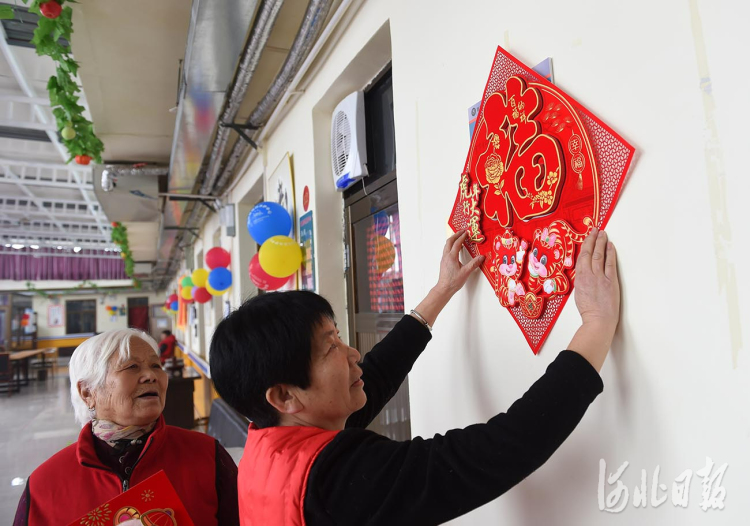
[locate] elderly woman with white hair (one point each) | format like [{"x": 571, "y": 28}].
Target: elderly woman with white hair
[{"x": 118, "y": 389}]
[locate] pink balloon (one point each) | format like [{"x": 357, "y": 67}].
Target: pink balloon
[{"x": 261, "y": 279}]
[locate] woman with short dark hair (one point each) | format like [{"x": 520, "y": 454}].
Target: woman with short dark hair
[{"x": 309, "y": 460}]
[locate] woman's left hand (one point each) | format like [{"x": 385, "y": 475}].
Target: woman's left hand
[{"x": 453, "y": 275}]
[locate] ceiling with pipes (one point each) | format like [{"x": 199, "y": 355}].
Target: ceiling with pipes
[{"x": 158, "y": 78}]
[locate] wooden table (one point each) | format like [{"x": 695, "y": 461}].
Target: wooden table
[{"x": 21, "y": 358}]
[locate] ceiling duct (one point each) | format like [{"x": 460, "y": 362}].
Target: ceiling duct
[
  {"x": 111, "y": 172},
  {"x": 310, "y": 29}
]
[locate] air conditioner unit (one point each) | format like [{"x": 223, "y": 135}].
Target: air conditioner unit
[{"x": 348, "y": 146}]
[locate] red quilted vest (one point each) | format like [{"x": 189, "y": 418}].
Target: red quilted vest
[
  {"x": 273, "y": 472},
  {"x": 74, "y": 481}
]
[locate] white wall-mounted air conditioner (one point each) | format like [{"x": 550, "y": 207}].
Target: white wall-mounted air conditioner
[{"x": 348, "y": 145}]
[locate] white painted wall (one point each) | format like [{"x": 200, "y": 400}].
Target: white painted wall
[
  {"x": 676, "y": 383},
  {"x": 104, "y": 322}
]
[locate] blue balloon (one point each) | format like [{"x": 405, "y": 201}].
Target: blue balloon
[
  {"x": 174, "y": 306},
  {"x": 266, "y": 220},
  {"x": 220, "y": 279}
]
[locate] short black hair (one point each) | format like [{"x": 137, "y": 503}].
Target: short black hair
[
  {"x": 266, "y": 342},
  {"x": 168, "y": 333}
]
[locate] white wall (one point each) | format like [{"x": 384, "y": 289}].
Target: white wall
[
  {"x": 104, "y": 322},
  {"x": 676, "y": 383}
]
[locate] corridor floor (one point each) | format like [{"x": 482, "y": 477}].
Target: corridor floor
[{"x": 36, "y": 423}]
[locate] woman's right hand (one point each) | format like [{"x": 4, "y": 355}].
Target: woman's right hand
[{"x": 597, "y": 295}]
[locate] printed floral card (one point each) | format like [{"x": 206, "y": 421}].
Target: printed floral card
[{"x": 153, "y": 502}]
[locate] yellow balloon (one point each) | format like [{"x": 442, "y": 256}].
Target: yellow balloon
[
  {"x": 280, "y": 256},
  {"x": 215, "y": 292},
  {"x": 187, "y": 293},
  {"x": 200, "y": 277},
  {"x": 385, "y": 253}
]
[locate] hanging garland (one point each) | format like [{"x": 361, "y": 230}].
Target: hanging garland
[
  {"x": 76, "y": 131},
  {"x": 119, "y": 237}
]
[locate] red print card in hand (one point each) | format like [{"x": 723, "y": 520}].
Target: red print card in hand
[
  {"x": 153, "y": 502},
  {"x": 541, "y": 172}
]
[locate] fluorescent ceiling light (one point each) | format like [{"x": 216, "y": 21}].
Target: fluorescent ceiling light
[{"x": 17, "y": 246}]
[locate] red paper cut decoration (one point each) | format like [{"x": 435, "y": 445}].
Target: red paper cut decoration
[{"x": 541, "y": 172}]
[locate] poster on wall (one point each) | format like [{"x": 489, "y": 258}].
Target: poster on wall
[
  {"x": 55, "y": 316},
  {"x": 307, "y": 272},
  {"x": 541, "y": 172},
  {"x": 280, "y": 189}
]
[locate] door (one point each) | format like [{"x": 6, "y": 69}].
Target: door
[{"x": 138, "y": 313}]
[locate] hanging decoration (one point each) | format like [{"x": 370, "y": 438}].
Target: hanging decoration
[
  {"x": 199, "y": 277},
  {"x": 268, "y": 219},
  {"x": 262, "y": 279},
  {"x": 280, "y": 256},
  {"x": 119, "y": 237},
  {"x": 217, "y": 257},
  {"x": 201, "y": 295},
  {"x": 541, "y": 172},
  {"x": 55, "y": 24},
  {"x": 220, "y": 279}
]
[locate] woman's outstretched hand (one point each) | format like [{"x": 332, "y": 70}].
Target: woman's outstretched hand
[
  {"x": 597, "y": 296},
  {"x": 453, "y": 276}
]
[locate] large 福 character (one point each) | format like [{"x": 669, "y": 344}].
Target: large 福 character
[{"x": 507, "y": 266}]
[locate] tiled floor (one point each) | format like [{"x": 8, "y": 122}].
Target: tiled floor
[{"x": 34, "y": 424}]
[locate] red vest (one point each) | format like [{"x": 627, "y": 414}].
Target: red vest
[
  {"x": 170, "y": 342},
  {"x": 273, "y": 472},
  {"x": 74, "y": 481}
]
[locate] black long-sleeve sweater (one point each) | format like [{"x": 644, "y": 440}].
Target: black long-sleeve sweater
[{"x": 365, "y": 479}]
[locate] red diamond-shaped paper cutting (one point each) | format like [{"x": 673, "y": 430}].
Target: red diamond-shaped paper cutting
[{"x": 541, "y": 172}]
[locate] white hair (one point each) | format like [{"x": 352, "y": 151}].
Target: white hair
[{"x": 89, "y": 364}]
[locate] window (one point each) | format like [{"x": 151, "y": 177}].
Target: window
[{"x": 80, "y": 316}]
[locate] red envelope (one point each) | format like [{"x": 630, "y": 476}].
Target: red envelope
[
  {"x": 541, "y": 172},
  {"x": 153, "y": 502}
]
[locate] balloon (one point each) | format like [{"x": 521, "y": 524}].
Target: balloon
[
  {"x": 385, "y": 253},
  {"x": 172, "y": 298},
  {"x": 261, "y": 278},
  {"x": 267, "y": 220},
  {"x": 280, "y": 256},
  {"x": 114, "y": 308},
  {"x": 215, "y": 292},
  {"x": 201, "y": 295},
  {"x": 220, "y": 279},
  {"x": 200, "y": 277},
  {"x": 187, "y": 282},
  {"x": 24, "y": 323},
  {"x": 174, "y": 306},
  {"x": 192, "y": 291},
  {"x": 186, "y": 294},
  {"x": 217, "y": 257}
]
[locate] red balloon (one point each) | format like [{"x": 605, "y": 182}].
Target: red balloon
[
  {"x": 172, "y": 298},
  {"x": 262, "y": 279},
  {"x": 217, "y": 257},
  {"x": 202, "y": 295}
]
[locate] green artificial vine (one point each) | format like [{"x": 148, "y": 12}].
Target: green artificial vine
[
  {"x": 119, "y": 237},
  {"x": 76, "y": 131}
]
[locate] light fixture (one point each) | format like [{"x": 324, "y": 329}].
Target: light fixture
[
  {"x": 17, "y": 246},
  {"x": 7, "y": 245},
  {"x": 59, "y": 247},
  {"x": 34, "y": 247},
  {"x": 76, "y": 249},
  {"x": 18, "y": 481}
]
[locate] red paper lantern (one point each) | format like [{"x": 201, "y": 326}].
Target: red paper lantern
[
  {"x": 217, "y": 257},
  {"x": 202, "y": 295},
  {"x": 172, "y": 298}
]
